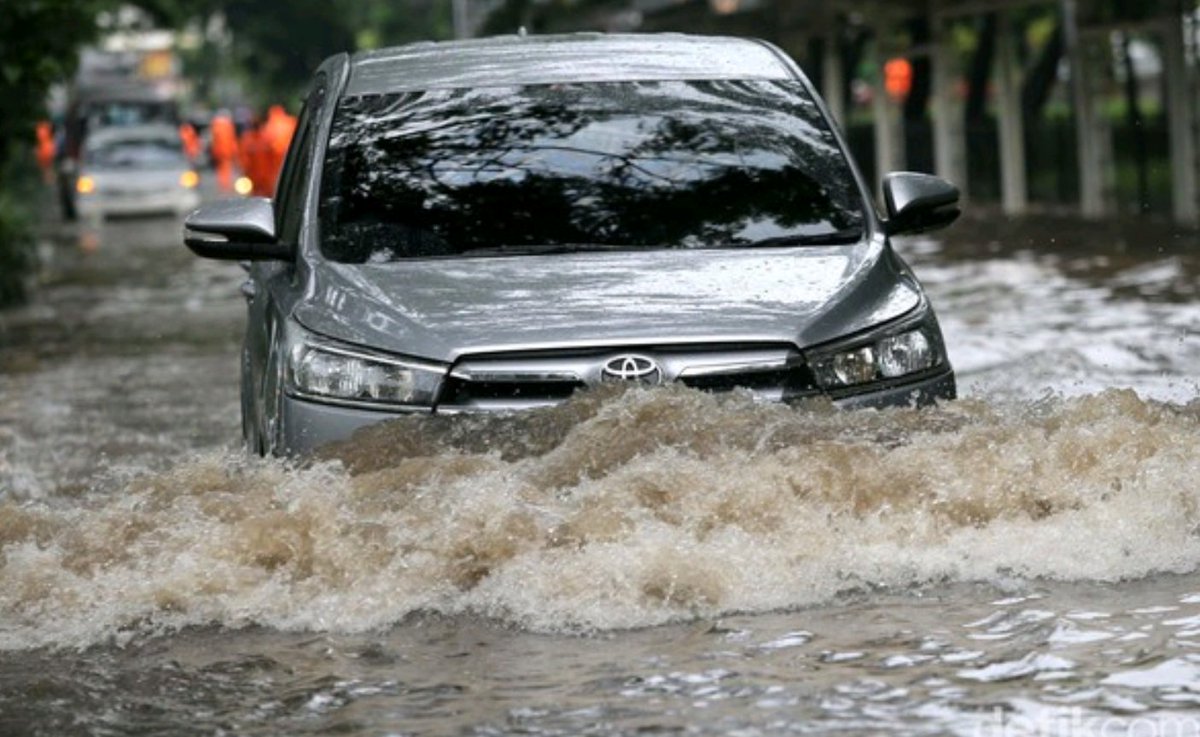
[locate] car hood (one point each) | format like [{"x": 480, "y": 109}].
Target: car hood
[
  {"x": 137, "y": 181},
  {"x": 443, "y": 309}
]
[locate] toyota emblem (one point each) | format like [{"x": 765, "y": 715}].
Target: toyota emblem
[{"x": 632, "y": 368}]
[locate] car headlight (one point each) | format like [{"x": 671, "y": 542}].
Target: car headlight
[
  {"x": 321, "y": 370},
  {"x": 905, "y": 350}
]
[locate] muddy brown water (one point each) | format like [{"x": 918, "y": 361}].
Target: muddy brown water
[{"x": 1022, "y": 561}]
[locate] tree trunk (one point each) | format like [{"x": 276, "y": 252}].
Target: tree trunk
[
  {"x": 1133, "y": 112},
  {"x": 1042, "y": 77},
  {"x": 918, "y": 96},
  {"x": 852, "y": 54},
  {"x": 981, "y": 70}
]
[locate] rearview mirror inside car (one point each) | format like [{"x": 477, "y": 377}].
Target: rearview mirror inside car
[
  {"x": 235, "y": 230},
  {"x": 917, "y": 203}
]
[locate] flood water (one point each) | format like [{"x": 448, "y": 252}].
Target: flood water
[{"x": 1022, "y": 561}]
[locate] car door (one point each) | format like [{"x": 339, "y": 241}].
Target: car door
[{"x": 272, "y": 286}]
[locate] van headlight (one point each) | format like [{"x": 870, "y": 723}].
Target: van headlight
[
  {"x": 910, "y": 348},
  {"x": 322, "y": 370}
]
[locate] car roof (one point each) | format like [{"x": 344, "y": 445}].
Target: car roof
[{"x": 582, "y": 57}]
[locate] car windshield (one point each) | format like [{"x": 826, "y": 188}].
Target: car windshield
[
  {"x": 669, "y": 164},
  {"x": 149, "y": 153},
  {"x": 106, "y": 113}
]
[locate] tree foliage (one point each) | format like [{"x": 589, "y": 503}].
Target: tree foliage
[
  {"x": 277, "y": 45},
  {"x": 39, "y": 44}
]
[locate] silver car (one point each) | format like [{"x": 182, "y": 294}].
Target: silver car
[
  {"x": 135, "y": 170},
  {"x": 492, "y": 225}
]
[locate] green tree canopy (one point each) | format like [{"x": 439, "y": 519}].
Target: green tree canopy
[
  {"x": 277, "y": 45},
  {"x": 39, "y": 45}
]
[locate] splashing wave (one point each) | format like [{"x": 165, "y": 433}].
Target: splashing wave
[{"x": 617, "y": 509}]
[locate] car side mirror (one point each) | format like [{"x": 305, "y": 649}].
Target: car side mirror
[
  {"x": 917, "y": 203},
  {"x": 235, "y": 230}
]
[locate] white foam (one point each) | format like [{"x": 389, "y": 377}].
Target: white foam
[{"x": 623, "y": 510}]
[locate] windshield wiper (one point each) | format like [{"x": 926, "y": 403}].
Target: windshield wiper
[
  {"x": 846, "y": 235},
  {"x": 508, "y": 250}
]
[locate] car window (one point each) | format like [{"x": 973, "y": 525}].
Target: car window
[
  {"x": 289, "y": 192},
  {"x": 673, "y": 164},
  {"x": 125, "y": 113}
]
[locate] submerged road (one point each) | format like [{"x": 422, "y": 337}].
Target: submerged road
[{"x": 1020, "y": 562}]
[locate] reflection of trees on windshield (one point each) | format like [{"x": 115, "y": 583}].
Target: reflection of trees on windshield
[{"x": 672, "y": 164}]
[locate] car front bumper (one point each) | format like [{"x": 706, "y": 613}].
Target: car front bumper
[
  {"x": 103, "y": 205},
  {"x": 307, "y": 425},
  {"x": 924, "y": 391}
]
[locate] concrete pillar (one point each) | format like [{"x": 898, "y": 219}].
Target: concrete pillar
[
  {"x": 1181, "y": 123},
  {"x": 1014, "y": 192},
  {"x": 949, "y": 133},
  {"x": 833, "y": 77},
  {"x": 1089, "y": 138},
  {"x": 887, "y": 114}
]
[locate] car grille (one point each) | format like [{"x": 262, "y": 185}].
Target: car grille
[{"x": 531, "y": 379}]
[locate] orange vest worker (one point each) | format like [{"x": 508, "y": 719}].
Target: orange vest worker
[
  {"x": 191, "y": 141},
  {"x": 256, "y": 160},
  {"x": 45, "y": 148},
  {"x": 224, "y": 150},
  {"x": 277, "y": 136}
]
